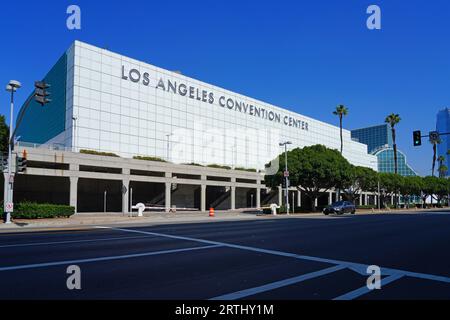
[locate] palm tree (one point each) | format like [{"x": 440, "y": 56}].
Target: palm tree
[
  {"x": 441, "y": 169},
  {"x": 392, "y": 120},
  {"x": 341, "y": 111},
  {"x": 434, "y": 143}
]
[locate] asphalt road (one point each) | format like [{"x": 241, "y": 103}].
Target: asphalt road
[{"x": 298, "y": 258}]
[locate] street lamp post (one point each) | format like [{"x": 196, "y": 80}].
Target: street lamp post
[
  {"x": 12, "y": 87},
  {"x": 379, "y": 195},
  {"x": 285, "y": 144},
  {"x": 104, "y": 200}
]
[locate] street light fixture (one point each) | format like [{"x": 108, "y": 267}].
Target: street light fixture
[
  {"x": 12, "y": 87},
  {"x": 286, "y": 173}
]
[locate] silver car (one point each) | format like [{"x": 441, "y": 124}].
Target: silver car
[{"x": 340, "y": 207}]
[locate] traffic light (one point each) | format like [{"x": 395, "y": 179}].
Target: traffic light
[
  {"x": 41, "y": 93},
  {"x": 21, "y": 164},
  {"x": 417, "y": 138}
]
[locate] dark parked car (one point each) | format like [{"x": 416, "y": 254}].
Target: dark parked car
[{"x": 340, "y": 207}]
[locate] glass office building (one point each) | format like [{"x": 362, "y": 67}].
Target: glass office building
[
  {"x": 386, "y": 162},
  {"x": 379, "y": 141},
  {"x": 375, "y": 137},
  {"x": 443, "y": 126}
]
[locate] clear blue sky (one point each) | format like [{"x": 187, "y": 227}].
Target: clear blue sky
[{"x": 307, "y": 56}]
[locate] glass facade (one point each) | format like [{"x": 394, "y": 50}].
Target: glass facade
[
  {"x": 42, "y": 123},
  {"x": 386, "y": 162},
  {"x": 379, "y": 142},
  {"x": 443, "y": 126},
  {"x": 375, "y": 137}
]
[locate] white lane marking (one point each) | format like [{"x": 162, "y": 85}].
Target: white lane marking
[
  {"x": 67, "y": 241},
  {"x": 277, "y": 284},
  {"x": 347, "y": 264},
  {"x": 364, "y": 290},
  {"x": 127, "y": 256}
]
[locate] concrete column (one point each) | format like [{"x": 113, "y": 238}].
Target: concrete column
[
  {"x": 233, "y": 198},
  {"x": 125, "y": 201},
  {"x": 168, "y": 194},
  {"x": 203, "y": 198},
  {"x": 258, "y": 197},
  {"x": 330, "y": 197},
  {"x": 316, "y": 202},
  {"x": 361, "y": 199},
  {"x": 375, "y": 198},
  {"x": 280, "y": 195},
  {"x": 392, "y": 200},
  {"x": 74, "y": 192},
  {"x": 299, "y": 198}
]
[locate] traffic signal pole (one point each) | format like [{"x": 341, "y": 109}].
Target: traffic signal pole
[{"x": 40, "y": 94}]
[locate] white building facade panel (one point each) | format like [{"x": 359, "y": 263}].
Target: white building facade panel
[{"x": 128, "y": 107}]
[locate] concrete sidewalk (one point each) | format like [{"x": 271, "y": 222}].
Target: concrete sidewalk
[
  {"x": 83, "y": 220},
  {"x": 92, "y": 219}
]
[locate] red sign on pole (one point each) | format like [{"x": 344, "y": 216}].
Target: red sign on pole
[{"x": 9, "y": 207}]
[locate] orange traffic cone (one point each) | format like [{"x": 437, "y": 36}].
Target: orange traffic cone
[{"x": 211, "y": 212}]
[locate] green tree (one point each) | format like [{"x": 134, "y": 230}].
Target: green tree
[
  {"x": 4, "y": 134},
  {"x": 390, "y": 184},
  {"x": 429, "y": 188},
  {"x": 411, "y": 186},
  {"x": 358, "y": 180},
  {"x": 442, "y": 170},
  {"x": 392, "y": 120},
  {"x": 441, "y": 189},
  {"x": 341, "y": 111},
  {"x": 312, "y": 170}
]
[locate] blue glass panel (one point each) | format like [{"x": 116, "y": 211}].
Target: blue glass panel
[{"x": 41, "y": 124}]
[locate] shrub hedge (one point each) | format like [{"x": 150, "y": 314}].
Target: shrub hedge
[
  {"x": 245, "y": 169},
  {"x": 97, "y": 153},
  {"x": 218, "y": 166},
  {"x": 31, "y": 210},
  {"x": 194, "y": 164},
  {"x": 149, "y": 158}
]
